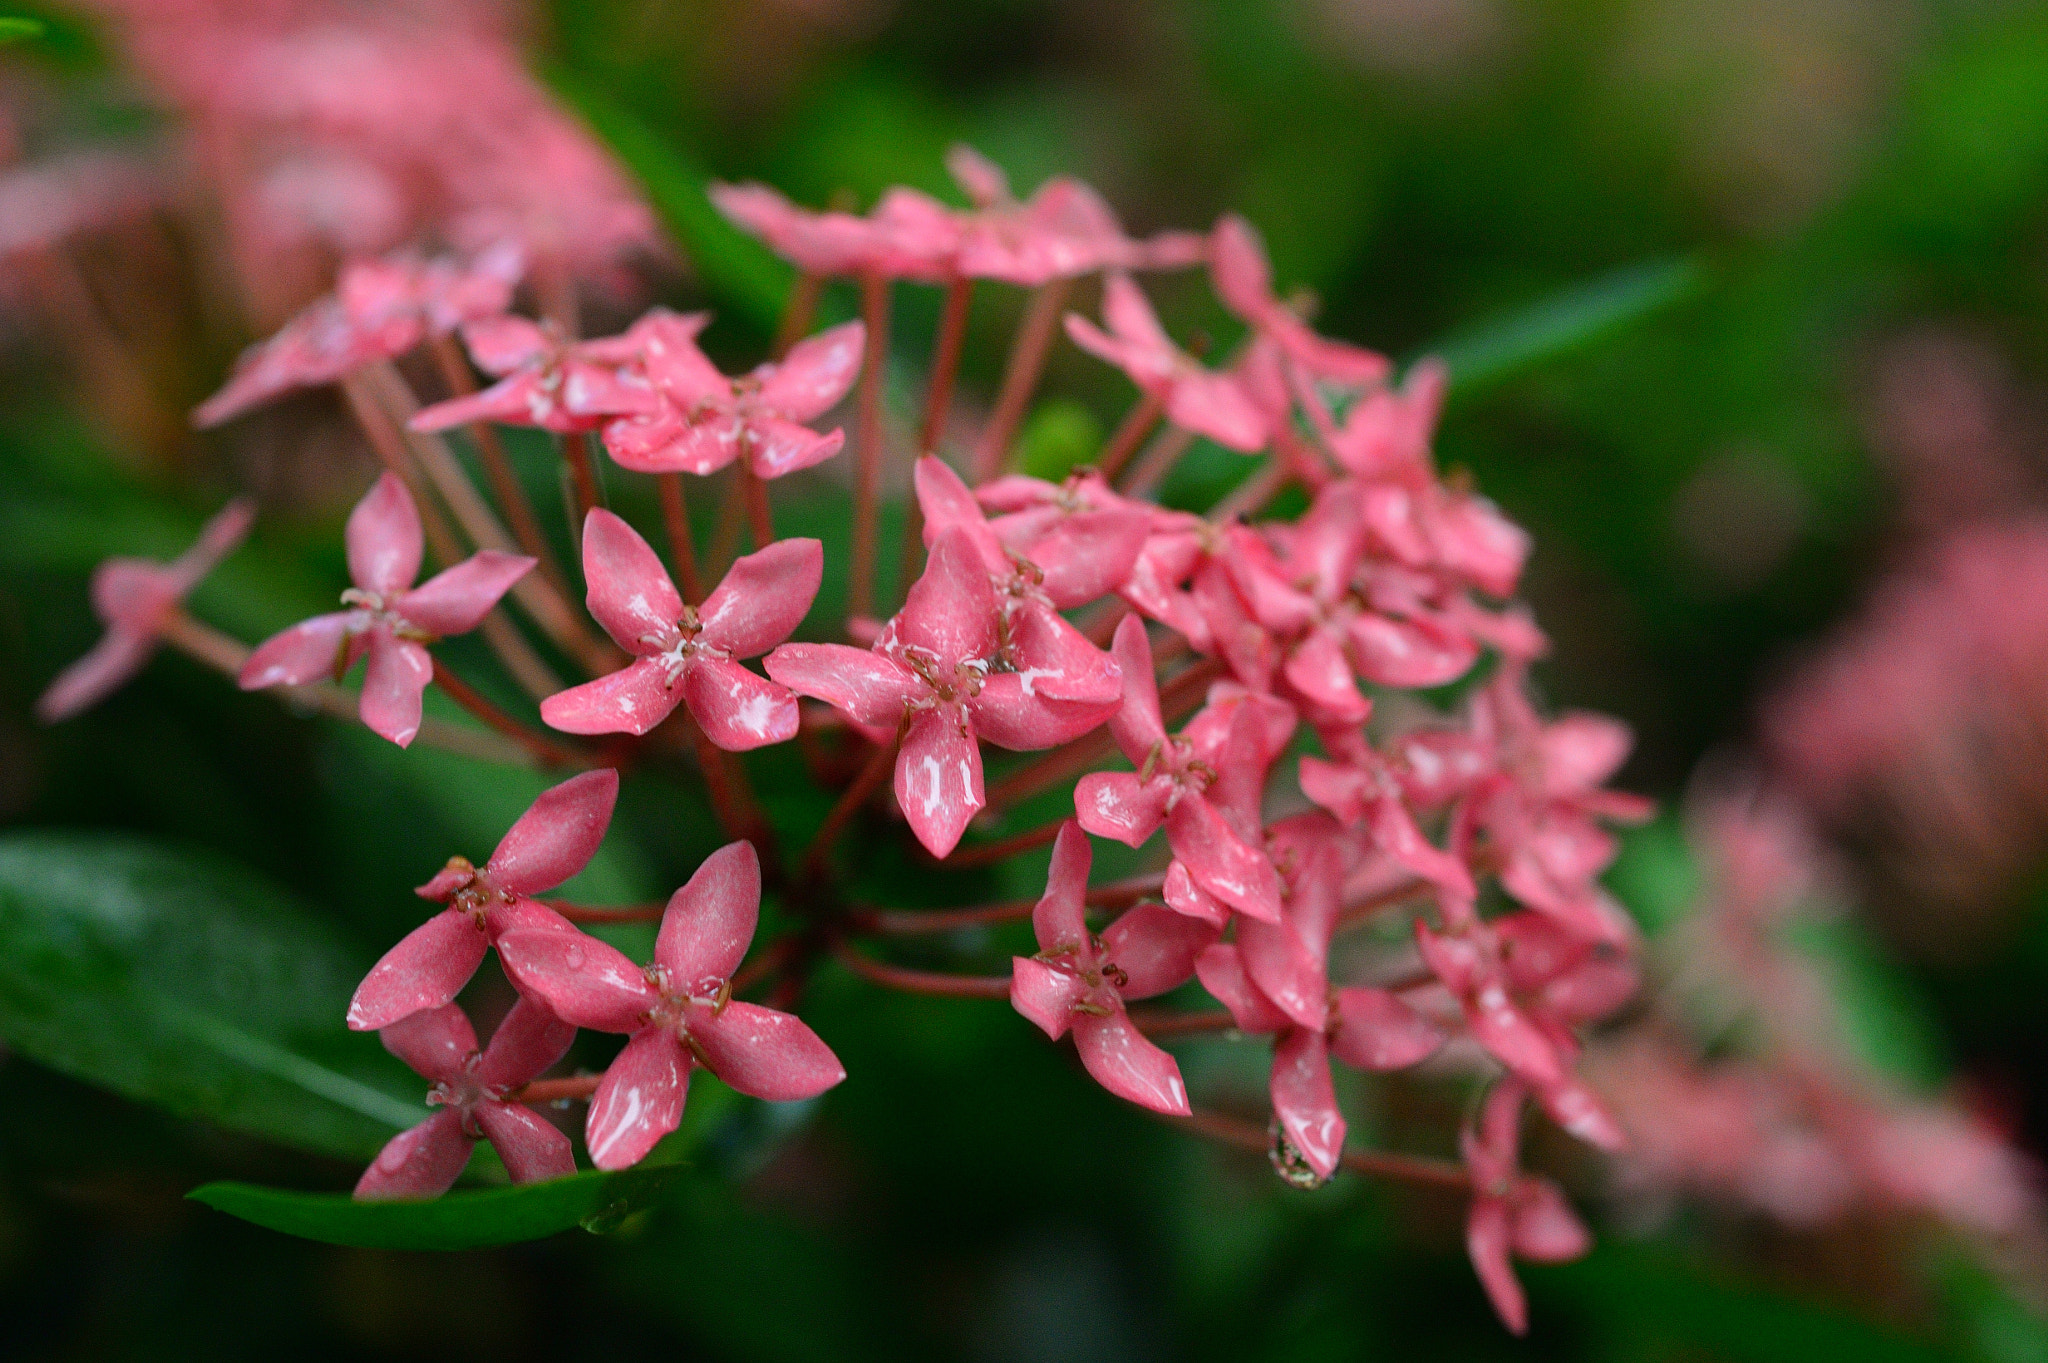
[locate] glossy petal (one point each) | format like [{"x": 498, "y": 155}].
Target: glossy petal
[
  {"x": 639, "y": 1101},
  {"x": 951, "y": 610},
  {"x": 312, "y": 650},
  {"x": 1318, "y": 668},
  {"x": 1487, "y": 1234},
  {"x": 816, "y": 374},
  {"x": 384, "y": 538},
  {"x": 947, "y": 504},
  {"x": 434, "y": 1041},
  {"x": 1054, "y": 660},
  {"x": 736, "y": 709},
  {"x": 1008, "y": 716},
  {"x": 765, "y": 1054},
  {"x": 1221, "y": 862},
  {"x": 762, "y": 598},
  {"x": 710, "y": 920},
  {"x": 531, "y": 1146},
  {"x": 1183, "y": 895},
  {"x": 1546, "y": 1229},
  {"x": 1060, "y": 918},
  {"x": 870, "y": 688},
  {"x": 1128, "y": 1064},
  {"x": 1304, "y": 1100},
  {"x": 1116, "y": 804},
  {"x": 582, "y": 980},
  {"x": 1377, "y": 1031},
  {"x": 426, "y": 969},
  {"x": 1156, "y": 949},
  {"x": 631, "y": 700},
  {"x": 1090, "y": 554},
  {"x": 1137, "y": 726},
  {"x": 1216, "y": 405},
  {"x": 1579, "y": 1111},
  {"x": 776, "y": 447},
  {"x": 938, "y": 778},
  {"x": 527, "y": 1042},
  {"x": 456, "y": 601},
  {"x": 1286, "y": 970},
  {"x": 1045, "y": 994},
  {"x": 1221, "y": 970},
  {"x": 557, "y": 836},
  {"x": 1408, "y": 654},
  {"x": 630, "y": 593},
  {"x": 393, "y": 684},
  {"x": 418, "y": 1164}
]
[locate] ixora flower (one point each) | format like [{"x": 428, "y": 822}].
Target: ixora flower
[
  {"x": 474, "y": 1092},
  {"x": 706, "y": 420},
  {"x": 1512, "y": 1213},
  {"x": 379, "y": 310},
  {"x": 1173, "y": 782},
  {"x": 1244, "y": 281},
  {"x": 552, "y": 841},
  {"x": 687, "y": 654},
  {"x": 387, "y": 617},
  {"x": 135, "y": 599},
  {"x": 1079, "y": 982},
  {"x": 1195, "y": 397},
  {"x": 678, "y": 1012},
  {"x": 544, "y": 380},
  {"x": 939, "y": 675}
]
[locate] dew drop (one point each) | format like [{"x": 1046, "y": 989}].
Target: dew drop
[
  {"x": 392, "y": 1158},
  {"x": 1288, "y": 1162},
  {"x": 574, "y": 956}
]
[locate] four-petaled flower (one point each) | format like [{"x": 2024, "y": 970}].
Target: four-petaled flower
[
  {"x": 1080, "y": 982},
  {"x": 135, "y": 599},
  {"x": 476, "y": 1094},
  {"x": 1194, "y": 397},
  {"x": 687, "y": 654},
  {"x": 544, "y": 380},
  {"x": 678, "y": 1012},
  {"x": 1512, "y": 1213},
  {"x": 705, "y": 420},
  {"x": 940, "y": 675},
  {"x": 387, "y": 617},
  {"x": 553, "y": 840}
]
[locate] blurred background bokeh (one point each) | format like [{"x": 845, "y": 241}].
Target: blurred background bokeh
[{"x": 1790, "y": 525}]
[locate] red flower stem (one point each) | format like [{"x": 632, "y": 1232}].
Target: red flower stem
[
  {"x": 1362, "y": 910},
  {"x": 928, "y": 982},
  {"x": 1421, "y": 1169},
  {"x": 1160, "y": 1022},
  {"x": 1136, "y": 425},
  {"x": 675, "y": 517},
  {"x": 732, "y": 798},
  {"x": 1252, "y": 494},
  {"x": 545, "y": 750},
  {"x": 874, "y": 297},
  {"x": 1118, "y": 895},
  {"x": 557, "y": 1090},
  {"x": 1002, "y": 849},
  {"x": 764, "y": 964},
  {"x": 760, "y": 523},
  {"x": 586, "y": 913},
  {"x": 1150, "y": 471},
  {"x": 880, "y": 763},
  {"x": 511, "y": 495},
  {"x": 1177, "y": 696},
  {"x": 1035, "y": 334},
  {"x": 583, "y": 476},
  {"x": 799, "y": 310},
  {"x": 938, "y": 401},
  {"x": 725, "y": 546},
  {"x": 223, "y": 654}
]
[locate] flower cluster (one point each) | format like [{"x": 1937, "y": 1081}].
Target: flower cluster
[{"x": 1371, "y": 889}]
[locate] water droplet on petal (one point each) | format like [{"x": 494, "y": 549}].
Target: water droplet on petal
[
  {"x": 392, "y": 1158},
  {"x": 1288, "y": 1162},
  {"x": 574, "y": 956}
]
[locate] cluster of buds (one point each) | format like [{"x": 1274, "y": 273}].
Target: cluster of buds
[{"x": 1379, "y": 890}]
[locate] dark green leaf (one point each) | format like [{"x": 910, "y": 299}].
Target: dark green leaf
[
  {"x": 1581, "y": 315},
  {"x": 598, "y": 1202},
  {"x": 14, "y": 29},
  {"x": 178, "y": 979}
]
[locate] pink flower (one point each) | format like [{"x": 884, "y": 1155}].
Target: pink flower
[
  {"x": 1244, "y": 281},
  {"x": 1368, "y": 1029},
  {"x": 1064, "y": 230},
  {"x": 387, "y": 617},
  {"x": 1195, "y": 398},
  {"x": 553, "y": 840},
  {"x": 679, "y": 1012},
  {"x": 135, "y": 598},
  {"x": 1080, "y": 982},
  {"x": 1512, "y": 1212},
  {"x": 379, "y": 310},
  {"x": 1173, "y": 784},
  {"x": 544, "y": 381},
  {"x": 706, "y": 420},
  {"x": 688, "y": 654},
  {"x": 1361, "y": 787},
  {"x": 827, "y": 244},
  {"x": 473, "y": 1091},
  {"x": 942, "y": 674}
]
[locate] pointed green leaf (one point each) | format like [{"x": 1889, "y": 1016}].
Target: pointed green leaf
[
  {"x": 1579, "y": 316},
  {"x": 175, "y": 978},
  {"x": 598, "y": 1202}
]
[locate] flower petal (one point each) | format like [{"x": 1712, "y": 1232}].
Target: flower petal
[
  {"x": 557, "y": 835},
  {"x": 1305, "y": 1101},
  {"x": 710, "y": 921},
  {"x": 1156, "y": 949},
  {"x": 938, "y": 778},
  {"x": 1055, "y": 660},
  {"x": 456, "y": 600},
  {"x": 1060, "y": 918},
  {"x": 1487, "y": 1234},
  {"x": 384, "y": 539},
  {"x": 632, "y": 700},
  {"x": 312, "y": 650},
  {"x": 762, "y": 598},
  {"x": 816, "y": 373},
  {"x": 639, "y": 1100},
  {"x": 764, "y": 1053},
  {"x": 426, "y": 969},
  {"x": 1221, "y": 970},
  {"x": 532, "y": 1147},
  {"x": 393, "y": 683},
  {"x": 951, "y": 609},
  {"x": 582, "y": 980},
  {"x": 1116, "y": 804},
  {"x": 1221, "y": 862},
  {"x": 776, "y": 447},
  {"x": 870, "y": 688},
  {"x": 119, "y": 655},
  {"x": 1008, "y": 716},
  {"x": 434, "y": 1041},
  {"x": 418, "y": 1164},
  {"x": 630, "y": 593},
  {"x": 1045, "y": 994},
  {"x": 1377, "y": 1031},
  {"x": 1137, "y": 726},
  {"x": 527, "y": 1042},
  {"x": 736, "y": 709},
  {"x": 1128, "y": 1064}
]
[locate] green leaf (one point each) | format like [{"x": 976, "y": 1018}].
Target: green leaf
[
  {"x": 598, "y": 1202},
  {"x": 1565, "y": 322},
  {"x": 735, "y": 268},
  {"x": 14, "y": 29},
  {"x": 175, "y": 978}
]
